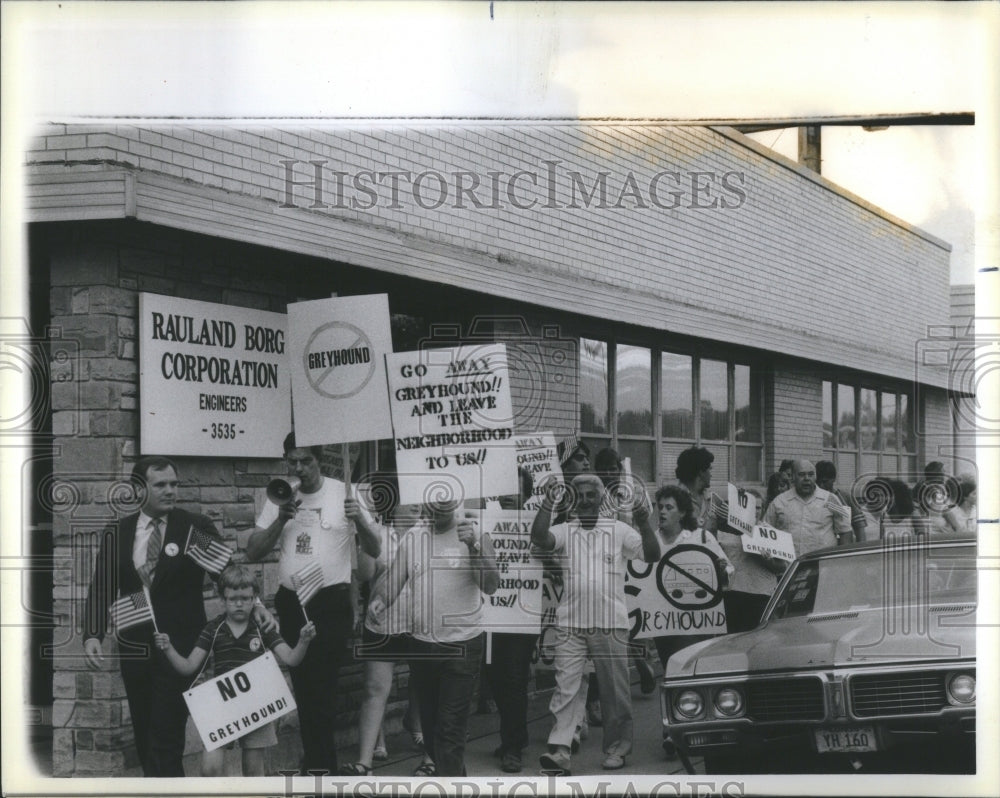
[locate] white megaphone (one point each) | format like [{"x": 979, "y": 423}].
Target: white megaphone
[{"x": 281, "y": 491}]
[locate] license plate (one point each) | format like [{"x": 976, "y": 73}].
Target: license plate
[{"x": 847, "y": 740}]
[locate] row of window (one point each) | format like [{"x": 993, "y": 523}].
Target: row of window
[
  {"x": 868, "y": 431},
  {"x": 652, "y": 404}
]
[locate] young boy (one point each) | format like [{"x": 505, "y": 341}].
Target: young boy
[{"x": 234, "y": 640}]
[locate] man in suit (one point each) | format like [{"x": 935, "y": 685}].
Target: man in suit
[{"x": 146, "y": 549}]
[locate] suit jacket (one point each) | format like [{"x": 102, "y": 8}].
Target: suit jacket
[{"x": 176, "y": 592}]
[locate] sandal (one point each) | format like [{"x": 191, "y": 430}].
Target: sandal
[
  {"x": 425, "y": 769},
  {"x": 354, "y": 769},
  {"x": 380, "y": 753}
]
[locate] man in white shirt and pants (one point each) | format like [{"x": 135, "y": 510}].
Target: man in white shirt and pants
[{"x": 592, "y": 619}]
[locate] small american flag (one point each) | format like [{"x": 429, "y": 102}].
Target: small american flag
[
  {"x": 718, "y": 507},
  {"x": 307, "y": 581},
  {"x": 835, "y": 504},
  {"x": 131, "y": 610},
  {"x": 208, "y": 552}
]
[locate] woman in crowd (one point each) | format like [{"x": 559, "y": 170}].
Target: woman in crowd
[
  {"x": 448, "y": 565},
  {"x": 892, "y": 501},
  {"x": 385, "y": 637},
  {"x": 694, "y": 473},
  {"x": 962, "y": 519},
  {"x": 678, "y": 525}
]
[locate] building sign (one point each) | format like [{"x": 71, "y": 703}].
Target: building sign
[
  {"x": 213, "y": 379},
  {"x": 453, "y": 423},
  {"x": 516, "y": 606},
  {"x": 237, "y": 702},
  {"x": 679, "y": 595},
  {"x": 336, "y": 349}
]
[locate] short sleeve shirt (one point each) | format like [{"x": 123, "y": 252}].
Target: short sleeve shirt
[
  {"x": 444, "y": 585},
  {"x": 594, "y": 566},
  {"x": 813, "y": 523},
  {"x": 229, "y": 651},
  {"x": 319, "y": 532}
]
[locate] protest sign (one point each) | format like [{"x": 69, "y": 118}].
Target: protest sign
[
  {"x": 679, "y": 595},
  {"x": 537, "y": 453},
  {"x": 336, "y": 349},
  {"x": 453, "y": 423},
  {"x": 516, "y": 606},
  {"x": 213, "y": 379},
  {"x": 742, "y": 511},
  {"x": 765, "y": 539},
  {"x": 237, "y": 702}
]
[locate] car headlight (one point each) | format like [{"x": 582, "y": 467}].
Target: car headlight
[
  {"x": 729, "y": 701},
  {"x": 689, "y": 703},
  {"x": 962, "y": 688}
]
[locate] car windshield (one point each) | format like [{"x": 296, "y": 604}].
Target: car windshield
[{"x": 878, "y": 578}]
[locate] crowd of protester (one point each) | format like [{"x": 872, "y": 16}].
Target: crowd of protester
[{"x": 593, "y": 521}]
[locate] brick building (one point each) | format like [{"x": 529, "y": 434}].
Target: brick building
[{"x": 657, "y": 287}]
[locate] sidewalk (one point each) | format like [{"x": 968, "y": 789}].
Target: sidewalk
[{"x": 646, "y": 758}]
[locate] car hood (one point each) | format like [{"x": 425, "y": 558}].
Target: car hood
[{"x": 815, "y": 642}]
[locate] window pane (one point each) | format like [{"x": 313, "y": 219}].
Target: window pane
[
  {"x": 890, "y": 443},
  {"x": 714, "y": 401},
  {"x": 746, "y": 389},
  {"x": 869, "y": 419},
  {"x": 593, "y": 386},
  {"x": 846, "y": 435},
  {"x": 634, "y": 390},
  {"x": 746, "y": 467},
  {"x": 906, "y": 424},
  {"x": 641, "y": 453},
  {"x": 827, "y": 414},
  {"x": 676, "y": 396}
]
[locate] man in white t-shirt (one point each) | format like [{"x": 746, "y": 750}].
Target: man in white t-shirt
[
  {"x": 592, "y": 619},
  {"x": 319, "y": 525}
]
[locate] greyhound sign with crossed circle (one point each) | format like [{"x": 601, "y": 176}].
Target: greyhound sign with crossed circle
[
  {"x": 337, "y": 350},
  {"x": 679, "y": 595}
]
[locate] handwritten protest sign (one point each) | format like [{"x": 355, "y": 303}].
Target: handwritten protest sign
[
  {"x": 537, "y": 453},
  {"x": 679, "y": 595},
  {"x": 742, "y": 513},
  {"x": 516, "y": 606},
  {"x": 765, "y": 539},
  {"x": 453, "y": 423},
  {"x": 213, "y": 379},
  {"x": 239, "y": 701},
  {"x": 336, "y": 348}
]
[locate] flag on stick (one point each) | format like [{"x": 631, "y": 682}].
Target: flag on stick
[
  {"x": 132, "y": 610},
  {"x": 307, "y": 581},
  {"x": 208, "y": 552}
]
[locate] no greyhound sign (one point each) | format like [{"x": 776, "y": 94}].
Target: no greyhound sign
[{"x": 339, "y": 390}]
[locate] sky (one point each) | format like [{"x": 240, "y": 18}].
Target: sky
[{"x": 925, "y": 175}]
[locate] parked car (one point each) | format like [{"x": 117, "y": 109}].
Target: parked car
[{"x": 864, "y": 660}]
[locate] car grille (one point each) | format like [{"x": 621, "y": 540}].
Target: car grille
[
  {"x": 897, "y": 693},
  {"x": 785, "y": 699}
]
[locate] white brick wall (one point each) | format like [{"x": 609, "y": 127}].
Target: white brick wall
[{"x": 797, "y": 254}]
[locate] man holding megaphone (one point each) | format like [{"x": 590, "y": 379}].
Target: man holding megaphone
[{"x": 314, "y": 521}]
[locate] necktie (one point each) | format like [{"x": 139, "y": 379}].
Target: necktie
[{"x": 152, "y": 551}]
